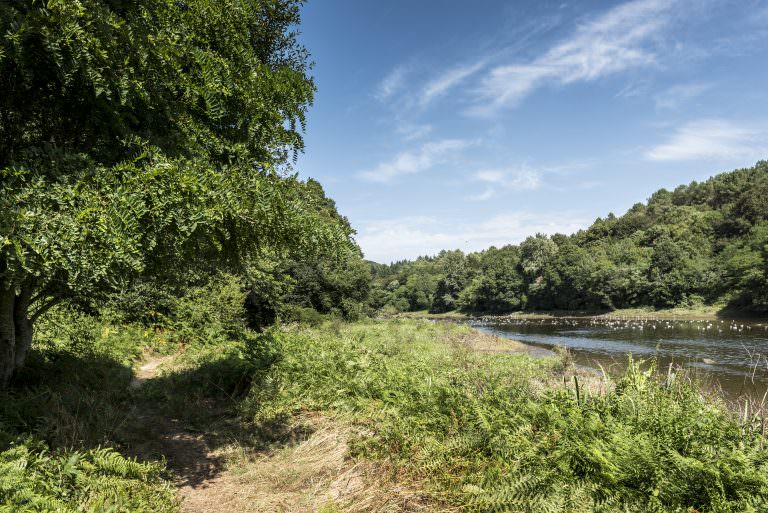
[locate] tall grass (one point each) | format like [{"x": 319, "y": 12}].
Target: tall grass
[
  {"x": 500, "y": 432},
  {"x": 65, "y": 411}
]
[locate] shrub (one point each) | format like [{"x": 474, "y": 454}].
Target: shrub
[
  {"x": 474, "y": 426},
  {"x": 212, "y": 313},
  {"x": 33, "y": 479}
]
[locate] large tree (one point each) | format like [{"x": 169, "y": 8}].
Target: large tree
[{"x": 140, "y": 138}]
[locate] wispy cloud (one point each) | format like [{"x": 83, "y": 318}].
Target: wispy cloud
[
  {"x": 634, "y": 89},
  {"x": 506, "y": 180},
  {"x": 713, "y": 139},
  {"x": 411, "y": 162},
  {"x": 394, "y": 239},
  {"x": 412, "y": 132},
  {"x": 449, "y": 79},
  {"x": 618, "y": 40},
  {"x": 392, "y": 83},
  {"x": 675, "y": 96}
]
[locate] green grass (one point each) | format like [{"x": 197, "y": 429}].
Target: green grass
[
  {"x": 474, "y": 431},
  {"x": 65, "y": 413},
  {"x": 509, "y": 433}
]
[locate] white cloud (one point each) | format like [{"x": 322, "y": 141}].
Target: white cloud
[
  {"x": 634, "y": 89},
  {"x": 673, "y": 97},
  {"x": 487, "y": 194},
  {"x": 442, "y": 84},
  {"x": 713, "y": 139},
  {"x": 509, "y": 180},
  {"x": 411, "y": 162},
  {"x": 412, "y": 132},
  {"x": 392, "y": 83},
  {"x": 397, "y": 239},
  {"x": 620, "y": 39}
]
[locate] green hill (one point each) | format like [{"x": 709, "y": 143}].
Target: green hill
[{"x": 701, "y": 244}]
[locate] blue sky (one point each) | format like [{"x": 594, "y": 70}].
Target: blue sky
[{"x": 443, "y": 124}]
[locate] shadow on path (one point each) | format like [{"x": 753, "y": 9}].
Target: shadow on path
[{"x": 189, "y": 419}]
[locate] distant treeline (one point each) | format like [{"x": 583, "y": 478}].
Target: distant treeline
[{"x": 703, "y": 243}]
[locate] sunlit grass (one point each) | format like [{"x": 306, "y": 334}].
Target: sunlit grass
[{"x": 501, "y": 432}]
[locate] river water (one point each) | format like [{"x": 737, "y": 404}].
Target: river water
[{"x": 732, "y": 355}]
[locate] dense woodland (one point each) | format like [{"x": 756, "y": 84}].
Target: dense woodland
[{"x": 703, "y": 243}]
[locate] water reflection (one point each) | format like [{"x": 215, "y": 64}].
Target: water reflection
[{"x": 734, "y": 354}]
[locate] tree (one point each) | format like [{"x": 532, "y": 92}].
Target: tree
[
  {"x": 537, "y": 254},
  {"x": 498, "y": 286},
  {"x": 704, "y": 242},
  {"x": 454, "y": 272},
  {"x": 747, "y": 269},
  {"x": 143, "y": 138}
]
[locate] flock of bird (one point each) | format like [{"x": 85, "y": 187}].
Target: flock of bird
[{"x": 631, "y": 323}]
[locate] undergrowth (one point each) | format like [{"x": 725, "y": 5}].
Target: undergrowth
[
  {"x": 477, "y": 431},
  {"x": 486, "y": 436},
  {"x": 71, "y": 410},
  {"x": 67, "y": 408},
  {"x": 33, "y": 479}
]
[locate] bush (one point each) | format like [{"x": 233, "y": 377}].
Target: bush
[
  {"x": 488, "y": 437},
  {"x": 73, "y": 390},
  {"x": 33, "y": 479},
  {"x": 212, "y": 313},
  {"x": 303, "y": 315}
]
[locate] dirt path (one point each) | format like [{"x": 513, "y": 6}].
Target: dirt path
[
  {"x": 197, "y": 468},
  {"x": 217, "y": 471},
  {"x": 149, "y": 369}
]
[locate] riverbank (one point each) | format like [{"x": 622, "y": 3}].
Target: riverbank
[
  {"x": 500, "y": 431},
  {"x": 699, "y": 313}
]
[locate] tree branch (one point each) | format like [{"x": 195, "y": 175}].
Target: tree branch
[{"x": 45, "y": 307}]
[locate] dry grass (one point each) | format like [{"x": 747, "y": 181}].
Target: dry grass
[
  {"x": 311, "y": 471},
  {"x": 479, "y": 341},
  {"x": 314, "y": 475}
]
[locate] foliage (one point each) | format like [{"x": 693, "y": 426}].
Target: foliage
[
  {"x": 322, "y": 281},
  {"x": 497, "y": 433},
  {"x": 704, "y": 243},
  {"x": 71, "y": 400},
  {"x": 212, "y": 313},
  {"x": 147, "y": 141},
  {"x": 74, "y": 390},
  {"x": 33, "y": 479},
  {"x": 272, "y": 285}
]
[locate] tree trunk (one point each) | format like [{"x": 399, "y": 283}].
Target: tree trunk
[
  {"x": 7, "y": 336},
  {"x": 23, "y": 325},
  {"x": 15, "y": 332}
]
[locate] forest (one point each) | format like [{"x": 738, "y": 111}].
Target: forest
[
  {"x": 187, "y": 323},
  {"x": 701, "y": 244}
]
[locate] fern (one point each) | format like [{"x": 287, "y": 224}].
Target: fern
[
  {"x": 97, "y": 481},
  {"x": 471, "y": 426}
]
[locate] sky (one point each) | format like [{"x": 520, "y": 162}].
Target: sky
[{"x": 445, "y": 124}]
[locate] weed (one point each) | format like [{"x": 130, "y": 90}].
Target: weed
[{"x": 472, "y": 425}]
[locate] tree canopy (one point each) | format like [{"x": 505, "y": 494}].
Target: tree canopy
[
  {"x": 143, "y": 138},
  {"x": 703, "y": 243}
]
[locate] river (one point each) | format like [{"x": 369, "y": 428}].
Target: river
[{"x": 730, "y": 354}]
